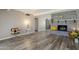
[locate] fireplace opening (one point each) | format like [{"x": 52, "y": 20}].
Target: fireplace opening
[{"x": 62, "y": 27}]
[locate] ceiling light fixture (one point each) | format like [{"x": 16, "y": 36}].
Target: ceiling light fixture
[{"x": 27, "y": 14}]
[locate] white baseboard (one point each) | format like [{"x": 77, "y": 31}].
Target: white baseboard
[{"x": 11, "y": 36}]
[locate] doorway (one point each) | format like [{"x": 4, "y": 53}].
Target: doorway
[
  {"x": 47, "y": 24},
  {"x": 36, "y": 24}
]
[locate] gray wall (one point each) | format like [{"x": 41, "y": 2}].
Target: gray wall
[
  {"x": 12, "y": 18},
  {"x": 77, "y": 11}
]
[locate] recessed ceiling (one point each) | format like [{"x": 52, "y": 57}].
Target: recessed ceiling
[{"x": 37, "y": 12}]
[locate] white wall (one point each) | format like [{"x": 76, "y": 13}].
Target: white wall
[
  {"x": 12, "y": 18},
  {"x": 42, "y": 22}
]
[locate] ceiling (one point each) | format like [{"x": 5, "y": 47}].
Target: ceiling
[{"x": 37, "y": 12}]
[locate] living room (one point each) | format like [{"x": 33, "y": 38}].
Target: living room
[{"x": 39, "y": 29}]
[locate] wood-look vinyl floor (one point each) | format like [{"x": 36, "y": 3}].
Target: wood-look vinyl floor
[{"x": 38, "y": 41}]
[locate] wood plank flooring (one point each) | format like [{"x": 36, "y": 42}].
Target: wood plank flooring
[{"x": 38, "y": 41}]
